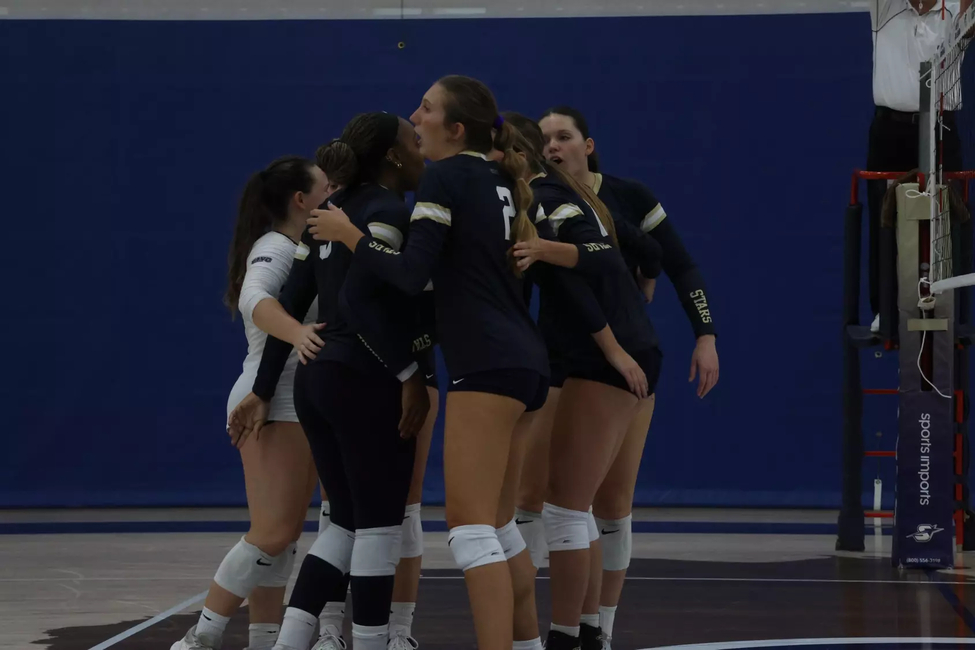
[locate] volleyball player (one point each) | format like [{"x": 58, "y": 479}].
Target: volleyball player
[
  {"x": 362, "y": 400},
  {"x": 569, "y": 146},
  {"x": 407, "y": 582},
  {"x": 496, "y": 359},
  {"x": 279, "y": 475},
  {"x": 337, "y": 181},
  {"x": 590, "y": 426}
]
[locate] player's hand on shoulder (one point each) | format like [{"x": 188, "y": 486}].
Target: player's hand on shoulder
[{"x": 327, "y": 224}]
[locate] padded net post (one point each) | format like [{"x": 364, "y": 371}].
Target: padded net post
[{"x": 923, "y": 534}]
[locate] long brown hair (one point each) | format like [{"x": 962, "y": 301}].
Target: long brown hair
[
  {"x": 470, "y": 102},
  {"x": 532, "y": 134},
  {"x": 263, "y": 204}
]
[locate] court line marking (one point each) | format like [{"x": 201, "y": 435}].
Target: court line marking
[
  {"x": 768, "y": 643},
  {"x": 152, "y": 621},
  {"x": 921, "y": 583}
]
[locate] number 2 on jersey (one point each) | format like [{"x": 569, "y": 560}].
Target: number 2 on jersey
[{"x": 509, "y": 210}]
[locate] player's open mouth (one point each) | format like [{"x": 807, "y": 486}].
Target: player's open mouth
[{"x": 556, "y": 160}]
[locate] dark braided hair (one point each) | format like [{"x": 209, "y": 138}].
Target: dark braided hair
[
  {"x": 263, "y": 204},
  {"x": 357, "y": 156}
]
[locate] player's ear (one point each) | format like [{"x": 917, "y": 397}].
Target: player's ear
[
  {"x": 456, "y": 132},
  {"x": 590, "y": 146},
  {"x": 393, "y": 158}
]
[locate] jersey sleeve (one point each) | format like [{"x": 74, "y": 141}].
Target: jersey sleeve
[
  {"x": 565, "y": 285},
  {"x": 382, "y": 319},
  {"x": 267, "y": 270},
  {"x": 640, "y": 247},
  {"x": 677, "y": 262},
  {"x": 686, "y": 278},
  {"x": 297, "y": 295},
  {"x": 646, "y": 207},
  {"x": 411, "y": 268},
  {"x": 570, "y": 226}
]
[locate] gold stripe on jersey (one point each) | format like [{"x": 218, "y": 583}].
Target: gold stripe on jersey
[
  {"x": 540, "y": 214},
  {"x": 302, "y": 251},
  {"x": 561, "y": 213},
  {"x": 389, "y": 234},
  {"x": 653, "y": 218},
  {"x": 597, "y": 182},
  {"x": 536, "y": 176},
  {"x": 431, "y": 211},
  {"x": 475, "y": 154}
]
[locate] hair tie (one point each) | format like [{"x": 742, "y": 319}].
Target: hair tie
[{"x": 498, "y": 122}]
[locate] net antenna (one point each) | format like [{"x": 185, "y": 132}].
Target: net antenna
[{"x": 942, "y": 77}]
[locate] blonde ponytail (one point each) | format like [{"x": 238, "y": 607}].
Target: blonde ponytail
[{"x": 516, "y": 167}]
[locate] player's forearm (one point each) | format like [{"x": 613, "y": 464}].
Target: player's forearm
[{"x": 271, "y": 318}]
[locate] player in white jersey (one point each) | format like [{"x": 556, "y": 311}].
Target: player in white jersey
[{"x": 279, "y": 474}]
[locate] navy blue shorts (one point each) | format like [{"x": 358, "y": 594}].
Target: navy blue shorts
[
  {"x": 600, "y": 371},
  {"x": 427, "y": 361},
  {"x": 527, "y": 386}
]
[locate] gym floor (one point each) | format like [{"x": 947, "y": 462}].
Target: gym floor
[{"x": 135, "y": 579}]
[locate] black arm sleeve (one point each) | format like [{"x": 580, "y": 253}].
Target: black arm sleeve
[
  {"x": 686, "y": 278},
  {"x": 297, "y": 295},
  {"x": 409, "y": 270},
  {"x": 595, "y": 256},
  {"x": 567, "y": 286},
  {"x": 677, "y": 262},
  {"x": 640, "y": 247},
  {"x": 382, "y": 317}
]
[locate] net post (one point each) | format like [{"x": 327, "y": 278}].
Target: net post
[
  {"x": 924, "y": 507},
  {"x": 850, "y": 524}
]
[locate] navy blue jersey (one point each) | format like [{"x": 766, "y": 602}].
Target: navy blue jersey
[
  {"x": 460, "y": 235},
  {"x": 370, "y": 325},
  {"x": 575, "y": 222},
  {"x": 631, "y": 201}
]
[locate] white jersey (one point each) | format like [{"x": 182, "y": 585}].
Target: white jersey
[{"x": 268, "y": 265}]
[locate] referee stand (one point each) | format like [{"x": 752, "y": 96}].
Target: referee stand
[{"x": 928, "y": 348}]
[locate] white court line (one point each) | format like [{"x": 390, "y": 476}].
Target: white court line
[
  {"x": 152, "y": 621},
  {"x": 628, "y": 578},
  {"x": 704, "y": 646},
  {"x": 730, "y": 645},
  {"x": 783, "y": 580}
]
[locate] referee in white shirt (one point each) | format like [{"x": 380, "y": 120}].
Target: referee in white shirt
[{"x": 905, "y": 33}]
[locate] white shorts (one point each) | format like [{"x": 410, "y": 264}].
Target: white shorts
[{"x": 283, "y": 402}]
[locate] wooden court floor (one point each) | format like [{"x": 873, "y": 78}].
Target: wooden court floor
[{"x": 135, "y": 580}]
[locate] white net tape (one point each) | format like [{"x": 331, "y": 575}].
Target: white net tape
[{"x": 946, "y": 93}]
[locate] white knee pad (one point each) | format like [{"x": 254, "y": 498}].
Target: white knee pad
[
  {"x": 532, "y": 531},
  {"x": 243, "y": 568},
  {"x": 412, "y": 532},
  {"x": 565, "y": 530},
  {"x": 334, "y": 546},
  {"x": 617, "y": 536},
  {"x": 474, "y": 546},
  {"x": 376, "y": 551},
  {"x": 511, "y": 540},
  {"x": 593, "y": 528},
  {"x": 284, "y": 564}
]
